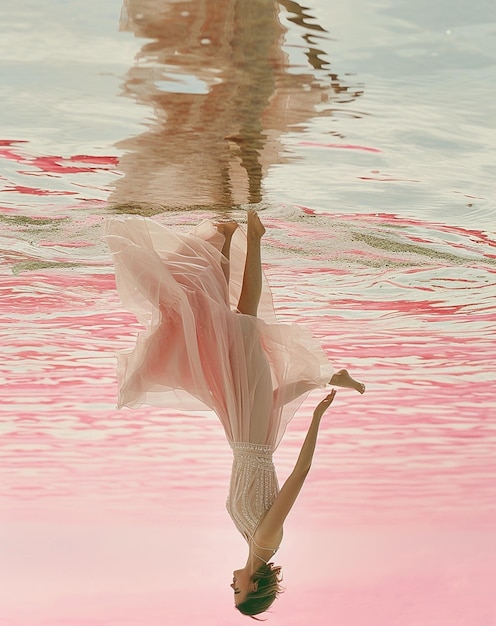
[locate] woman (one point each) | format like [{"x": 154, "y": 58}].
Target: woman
[{"x": 212, "y": 340}]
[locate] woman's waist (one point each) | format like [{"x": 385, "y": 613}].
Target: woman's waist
[{"x": 246, "y": 448}]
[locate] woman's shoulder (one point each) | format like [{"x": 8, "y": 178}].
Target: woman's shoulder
[{"x": 266, "y": 544}]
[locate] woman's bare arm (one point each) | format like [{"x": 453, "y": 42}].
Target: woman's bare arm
[{"x": 270, "y": 528}]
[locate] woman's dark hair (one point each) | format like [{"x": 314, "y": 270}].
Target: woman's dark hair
[{"x": 268, "y": 576}]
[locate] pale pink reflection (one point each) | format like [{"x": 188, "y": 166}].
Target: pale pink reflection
[{"x": 124, "y": 574}]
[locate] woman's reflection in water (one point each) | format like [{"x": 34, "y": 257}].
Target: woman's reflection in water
[
  {"x": 222, "y": 94},
  {"x": 212, "y": 340}
]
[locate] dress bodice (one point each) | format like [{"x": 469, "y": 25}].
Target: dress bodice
[{"x": 253, "y": 486}]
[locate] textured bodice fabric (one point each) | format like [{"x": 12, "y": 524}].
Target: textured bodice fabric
[
  {"x": 253, "y": 487},
  {"x": 197, "y": 351}
]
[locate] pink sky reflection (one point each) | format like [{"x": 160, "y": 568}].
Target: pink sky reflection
[{"x": 120, "y": 573}]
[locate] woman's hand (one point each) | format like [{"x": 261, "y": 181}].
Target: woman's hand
[{"x": 322, "y": 407}]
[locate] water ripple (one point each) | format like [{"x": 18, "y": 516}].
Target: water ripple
[{"x": 415, "y": 321}]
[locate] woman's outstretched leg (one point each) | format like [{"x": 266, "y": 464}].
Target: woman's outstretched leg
[
  {"x": 251, "y": 289},
  {"x": 343, "y": 379},
  {"x": 227, "y": 229}
]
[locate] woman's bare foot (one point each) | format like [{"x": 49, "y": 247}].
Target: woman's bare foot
[
  {"x": 343, "y": 379},
  {"x": 255, "y": 226},
  {"x": 227, "y": 229}
]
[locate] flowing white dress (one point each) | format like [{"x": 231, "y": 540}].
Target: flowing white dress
[{"x": 197, "y": 351}]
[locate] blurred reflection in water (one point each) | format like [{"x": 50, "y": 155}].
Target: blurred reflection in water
[{"x": 222, "y": 90}]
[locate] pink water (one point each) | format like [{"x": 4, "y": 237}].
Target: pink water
[{"x": 118, "y": 518}]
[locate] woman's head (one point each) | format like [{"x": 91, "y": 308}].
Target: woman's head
[{"x": 263, "y": 587}]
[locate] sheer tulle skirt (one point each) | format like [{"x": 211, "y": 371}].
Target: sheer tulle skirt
[{"x": 197, "y": 351}]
